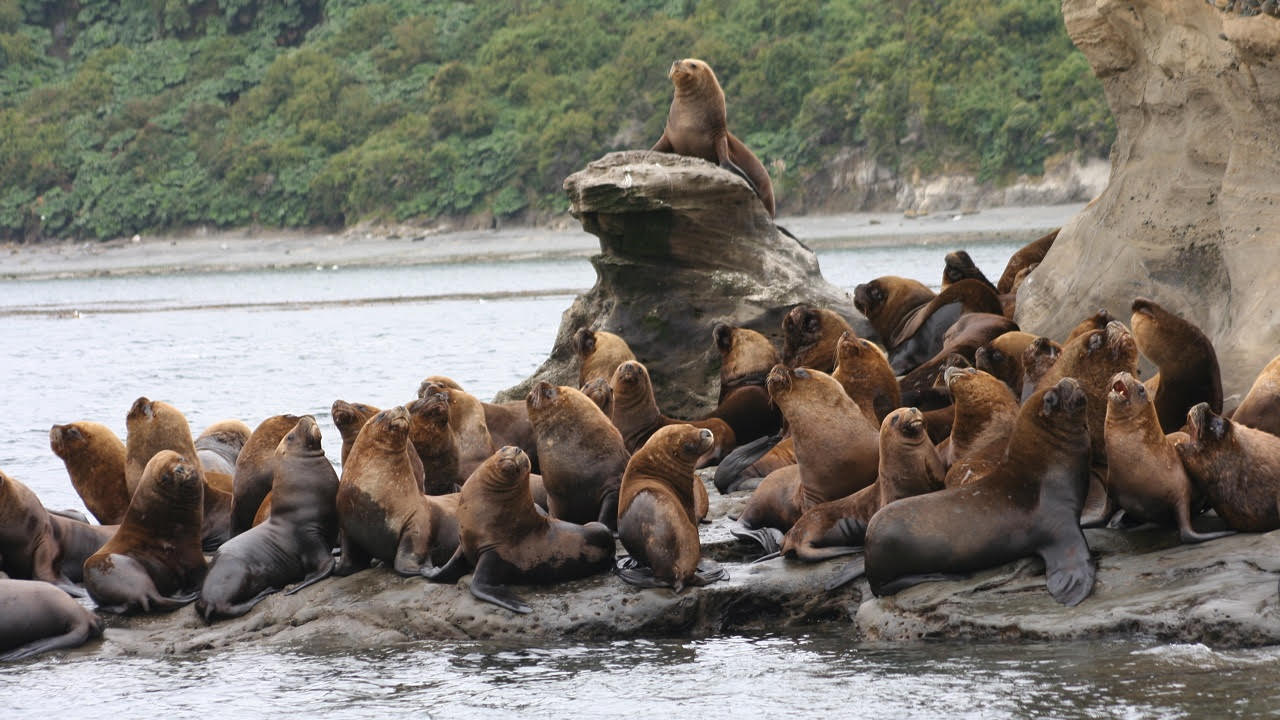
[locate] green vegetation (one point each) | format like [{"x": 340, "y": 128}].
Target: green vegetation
[{"x": 120, "y": 116}]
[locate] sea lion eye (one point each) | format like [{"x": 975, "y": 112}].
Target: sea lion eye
[{"x": 801, "y": 373}]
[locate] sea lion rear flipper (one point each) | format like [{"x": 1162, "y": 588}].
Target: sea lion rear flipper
[
  {"x": 853, "y": 570},
  {"x": 75, "y": 638},
  {"x": 451, "y": 571},
  {"x": 663, "y": 145},
  {"x": 354, "y": 559},
  {"x": 231, "y": 611},
  {"x": 322, "y": 572},
  {"x": 768, "y": 538},
  {"x": 170, "y": 602},
  {"x": 609, "y": 511},
  {"x": 1069, "y": 571},
  {"x": 709, "y": 571},
  {"x": 632, "y": 572},
  {"x": 69, "y": 587},
  {"x": 739, "y": 459},
  {"x": 725, "y": 160},
  {"x": 486, "y": 585}
]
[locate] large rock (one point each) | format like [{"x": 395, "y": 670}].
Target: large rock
[
  {"x": 1190, "y": 216},
  {"x": 683, "y": 244}
]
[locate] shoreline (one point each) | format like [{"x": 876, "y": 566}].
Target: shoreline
[{"x": 248, "y": 249}]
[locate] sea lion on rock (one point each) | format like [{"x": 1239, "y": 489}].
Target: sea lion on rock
[
  {"x": 862, "y": 369},
  {"x": 382, "y": 511},
  {"x": 959, "y": 266},
  {"x": 1002, "y": 357},
  {"x": 78, "y": 540},
  {"x": 923, "y": 334},
  {"x": 436, "y": 443},
  {"x": 1260, "y": 409},
  {"x": 294, "y": 544},
  {"x": 637, "y": 417},
  {"x": 1037, "y": 359},
  {"x": 36, "y": 617},
  {"x": 657, "y": 522},
  {"x": 1144, "y": 474},
  {"x": 1028, "y": 506},
  {"x": 601, "y": 393},
  {"x": 349, "y": 418},
  {"x": 697, "y": 126},
  {"x": 745, "y": 359},
  {"x": 583, "y": 454},
  {"x": 889, "y": 301},
  {"x": 985, "y": 414},
  {"x": 466, "y": 417},
  {"x": 810, "y": 336},
  {"x": 28, "y": 548},
  {"x": 1030, "y": 254},
  {"x": 507, "y": 423},
  {"x": 504, "y": 539},
  {"x": 1236, "y": 466},
  {"x": 154, "y": 561},
  {"x": 747, "y": 466},
  {"x": 94, "y": 457},
  {"x": 599, "y": 353},
  {"x": 220, "y": 444},
  {"x": 1096, "y": 321},
  {"x": 1187, "y": 364},
  {"x": 968, "y": 333},
  {"x": 255, "y": 469}
]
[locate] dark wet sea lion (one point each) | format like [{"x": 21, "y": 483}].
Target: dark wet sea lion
[
  {"x": 255, "y": 469},
  {"x": 697, "y": 126},
  {"x": 1002, "y": 357},
  {"x": 36, "y": 617},
  {"x": 909, "y": 465},
  {"x": 810, "y": 336},
  {"x": 1187, "y": 364},
  {"x": 154, "y": 561},
  {"x": 922, "y": 335},
  {"x": 505, "y": 540},
  {"x": 1037, "y": 359},
  {"x": 968, "y": 333},
  {"x": 583, "y": 454},
  {"x": 382, "y": 511},
  {"x": 959, "y": 266},
  {"x": 637, "y": 417},
  {"x": 745, "y": 359},
  {"x": 294, "y": 544},
  {"x": 94, "y": 457},
  {"x": 78, "y": 540},
  {"x": 1028, "y": 506},
  {"x": 985, "y": 414},
  {"x": 657, "y": 520},
  {"x": 436, "y": 443},
  {"x": 349, "y": 418},
  {"x": 1260, "y": 408},
  {"x": 1030, "y": 254},
  {"x": 889, "y": 301},
  {"x": 749, "y": 464},
  {"x": 601, "y": 393},
  {"x": 599, "y": 354},
  {"x": 1236, "y": 466},
  {"x": 862, "y": 369},
  {"x": 1144, "y": 473},
  {"x": 220, "y": 444},
  {"x": 28, "y": 548}
]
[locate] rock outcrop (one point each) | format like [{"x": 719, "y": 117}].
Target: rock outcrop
[
  {"x": 683, "y": 245},
  {"x": 1190, "y": 217}
]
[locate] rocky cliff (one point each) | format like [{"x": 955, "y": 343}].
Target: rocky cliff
[{"x": 1190, "y": 216}]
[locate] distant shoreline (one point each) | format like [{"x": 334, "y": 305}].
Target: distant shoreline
[{"x": 266, "y": 249}]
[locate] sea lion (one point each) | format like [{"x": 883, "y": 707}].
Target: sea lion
[
  {"x": 909, "y": 465},
  {"x": 28, "y": 548},
  {"x": 1260, "y": 408},
  {"x": 349, "y": 418},
  {"x": 889, "y": 301},
  {"x": 637, "y": 417},
  {"x": 697, "y": 126},
  {"x": 599, "y": 353},
  {"x": 254, "y": 469},
  {"x": 959, "y": 266},
  {"x": 154, "y": 561},
  {"x": 1037, "y": 359},
  {"x": 922, "y": 334},
  {"x": 1096, "y": 321},
  {"x": 436, "y": 443},
  {"x": 77, "y": 541},
  {"x": 294, "y": 544},
  {"x": 466, "y": 417},
  {"x": 745, "y": 359},
  {"x": 1030, "y": 254},
  {"x": 601, "y": 393},
  {"x": 862, "y": 369},
  {"x": 985, "y": 413},
  {"x": 1002, "y": 357},
  {"x": 382, "y": 511},
  {"x": 507, "y": 423},
  {"x": 1028, "y": 506},
  {"x": 94, "y": 457},
  {"x": 657, "y": 521},
  {"x": 220, "y": 444},
  {"x": 583, "y": 454},
  {"x": 747, "y": 466},
  {"x": 506, "y": 540},
  {"x": 1236, "y": 466},
  {"x": 36, "y": 617},
  {"x": 1144, "y": 473},
  {"x": 1187, "y": 364},
  {"x": 810, "y": 336},
  {"x": 968, "y": 333}
]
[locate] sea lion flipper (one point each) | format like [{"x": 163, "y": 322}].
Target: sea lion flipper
[
  {"x": 75, "y": 638},
  {"x": 322, "y": 572},
  {"x": 663, "y": 145},
  {"x": 486, "y": 584},
  {"x": 354, "y": 558},
  {"x": 633, "y": 572},
  {"x": 451, "y": 571},
  {"x": 741, "y": 457},
  {"x": 709, "y": 571},
  {"x": 766, "y": 537},
  {"x": 852, "y": 570},
  {"x": 69, "y": 587},
  {"x": 1069, "y": 571}
]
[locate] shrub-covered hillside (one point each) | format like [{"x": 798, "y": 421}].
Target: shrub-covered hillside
[{"x": 119, "y": 116}]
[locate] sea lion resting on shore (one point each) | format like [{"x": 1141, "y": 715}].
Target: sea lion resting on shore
[
  {"x": 220, "y": 444},
  {"x": 599, "y": 354},
  {"x": 503, "y": 539},
  {"x": 466, "y": 418},
  {"x": 36, "y": 617},
  {"x": 637, "y": 417},
  {"x": 28, "y": 548},
  {"x": 745, "y": 359},
  {"x": 985, "y": 415},
  {"x": 436, "y": 443},
  {"x": 1237, "y": 467},
  {"x": 1187, "y": 365},
  {"x": 1260, "y": 408},
  {"x": 349, "y": 418},
  {"x": 255, "y": 469},
  {"x": 810, "y": 336},
  {"x": 95, "y": 459}
]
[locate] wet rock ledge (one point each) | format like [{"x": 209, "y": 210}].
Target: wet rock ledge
[{"x": 1222, "y": 593}]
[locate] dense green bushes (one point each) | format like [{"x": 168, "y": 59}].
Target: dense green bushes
[{"x": 119, "y": 116}]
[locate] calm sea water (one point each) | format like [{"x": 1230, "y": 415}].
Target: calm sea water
[{"x": 250, "y": 345}]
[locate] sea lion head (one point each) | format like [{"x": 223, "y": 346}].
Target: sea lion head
[
  {"x": 435, "y": 382},
  {"x": 801, "y": 328},
  {"x": 780, "y": 378},
  {"x": 347, "y": 415},
  {"x": 958, "y": 267},
  {"x": 391, "y": 427},
  {"x": 1120, "y": 343},
  {"x": 630, "y": 377},
  {"x": 722, "y": 335},
  {"x": 303, "y": 438},
  {"x": 745, "y": 355},
  {"x": 508, "y": 465},
  {"x": 63, "y": 439},
  {"x": 907, "y": 424},
  {"x": 1126, "y": 394},
  {"x": 431, "y": 409},
  {"x": 1207, "y": 428},
  {"x": 543, "y": 396},
  {"x": 1066, "y": 400},
  {"x": 869, "y": 297},
  {"x": 888, "y": 301},
  {"x": 1040, "y": 355},
  {"x": 584, "y": 343},
  {"x": 601, "y": 393},
  {"x": 850, "y": 347},
  {"x": 691, "y": 74},
  {"x": 175, "y": 477},
  {"x": 141, "y": 409},
  {"x": 1096, "y": 321},
  {"x": 954, "y": 376}
]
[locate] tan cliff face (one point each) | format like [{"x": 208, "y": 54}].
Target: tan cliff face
[{"x": 1191, "y": 214}]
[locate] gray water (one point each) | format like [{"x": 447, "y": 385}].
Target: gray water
[{"x": 249, "y": 345}]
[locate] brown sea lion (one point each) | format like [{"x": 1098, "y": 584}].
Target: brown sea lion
[
  {"x": 889, "y": 301},
  {"x": 745, "y": 359},
  {"x": 747, "y": 466},
  {"x": 1236, "y": 466},
  {"x": 382, "y": 511},
  {"x": 1187, "y": 364},
  {"x": 504, "y": 539},
  {"x": 436, "y": 443},
  {"x": 985, "y": 415},
  {"x": 1030, "y": 254},
  {"x": 78, "y": 540},
  {"x": 959, "y": 266},
  {"x": 36, "y": 617},
  {"x": 909, "y": 465},
  {"x": 220, "y": 444},
  {"x": 599, "y": 354},
  {"x": 349, "y": 418},
  {"x": 1002, "y": 357},
  {"x": 154, "y": 561},
  {"x": 1028, "y": 506},
  {"x": 94, "y": 457},
  {"x": 637, "y": 417},
  {"x": 507, "y": 423},
  {"x": 28, "y": 548},
  {"x": 968, "y": 333},
  {"x": 657, "y": 520},
  {"x": 1260, "y": 408},
  {"x": 466, "y": 417},
  {"x": 601, "y": 393},
  {"x": 697, "y": 126},
  {"x": 583, "y": 454},
  {"x": 922, "y": 335},
  {"x": 294, "y": 544},
  {"x": 255, "y": 469},
  {"x": 810, "y": 336},
  {"x": 1144, "y": 474},
  {"x": 1037, "y": 359},
  {"x": 1096, "y": 321},
  {"x": 862, "y": 369}
]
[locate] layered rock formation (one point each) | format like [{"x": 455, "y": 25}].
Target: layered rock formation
[
  {"x": 1190, "y": 216},
  {"x": 683, "y": 245}
]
